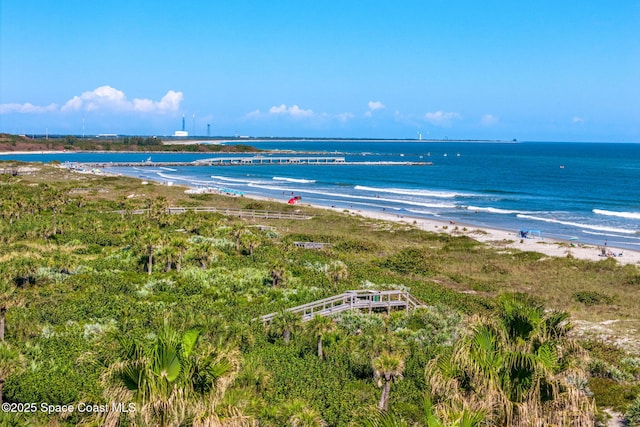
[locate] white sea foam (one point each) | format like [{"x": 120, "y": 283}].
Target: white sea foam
[
  {"x": 184, "y": 178},
  {"x": 629, "y": 215},
  {"x": 224, "y": 178},
  {"x": 579, "y": 225},
  {"x": 239, "y": 180},
  {"x": 168, "y": 169},
  {"x": 595, "y": 233},
  {"x": 421, "y": 212},
  {"x": 356, "y": 197},
  {"x": 297, "y": 180},
  {"x": 414, "y": 192},
  {"x": 495, "y": 210}
]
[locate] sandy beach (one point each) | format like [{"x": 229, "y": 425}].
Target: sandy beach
[{"x": 502, "y": 239}]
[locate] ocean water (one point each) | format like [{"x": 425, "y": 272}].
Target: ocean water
[{"x": 587, "y": 192}]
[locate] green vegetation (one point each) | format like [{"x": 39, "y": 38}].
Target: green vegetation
[
  {"x": 126, "y": 143},
  {"x": 100, "y": 306}
]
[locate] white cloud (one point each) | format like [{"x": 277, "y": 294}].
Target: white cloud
[
  {"x": 278, "y": 110},
  {"x": 170, "y": 102},
  {"x": 296, "y": 112},
  {"x": 255, "y": 114},
  {"x": 293, "y": 111},
  {"x": 26, "y": 108},
  {"x": 375, "y": 105},
  {"x": 441, "y": 118},
  {"x": 489, "y": 120},
  {"x": 104, "y": 98},
  {"x": 344, "y": 117},
  {"x": 578, "y": 120},
  {"x": 107, "y": 98}
]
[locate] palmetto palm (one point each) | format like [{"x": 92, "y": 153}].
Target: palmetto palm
[
  {"x": 513, "y": 368},
  {"x": 168, "y": 255},
  {"x": 205, "y": 252},
  {"x": 53, "y": 199},
  {"x": 250, "y": 241},
  {"x": 168, "y": 379},
  {"x": 299, "y": 414},
  {"x": 180, "y": 246},
  {"x": 337, "y": 271},
  {"x": 277, "y": 274},
  {"x": 385, "y": 419},
  {"x": 284, "y": 323},
  {"x": 387, "y": 368},
  {"x": 237, "y": 231},
  {"x": 319, "y": 326},
  {"x": 306, "y": 417},
  {"x": 158, "y": 210},
  {"x": 149, "y": 240}
]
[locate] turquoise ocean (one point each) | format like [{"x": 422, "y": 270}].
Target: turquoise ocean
[{"x": 585, "y": 192}]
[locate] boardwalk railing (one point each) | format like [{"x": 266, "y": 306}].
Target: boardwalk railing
[
  {"x": 354, "y": 300},
  {"x": 242, "y": 213},
  {"x": 223, "y": 161},
  {"x": 311, "y": 245},
  {"x": 262, "y": 160}
]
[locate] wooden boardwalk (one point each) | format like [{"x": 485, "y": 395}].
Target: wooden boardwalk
[
  {"x": 369, "y": 300},
  {"x": 241, "y": 213}
]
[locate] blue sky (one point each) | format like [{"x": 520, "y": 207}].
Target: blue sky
[{"x": 544, "y": 70}]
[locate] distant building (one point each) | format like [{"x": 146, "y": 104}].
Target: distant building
[{"x": 181, "y": 132}]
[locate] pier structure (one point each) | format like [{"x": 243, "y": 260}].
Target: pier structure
[
  {"x": 246, "y": 161},
  {"x": 368, "y": 300},
  {"x": 264, "y": 160}
]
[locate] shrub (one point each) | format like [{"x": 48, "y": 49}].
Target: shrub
[
  {"x": 408, "y": 261},
  {"x": 601, "y": 369},
  {"x": 605, "y": 351},
  {"x": 357, "y": 246},
  {"x": 631, "y": 364},
  {"x": 528, "y": 256},
  {"x": 592, "y": 298},
  {"x": 611, "y": 394},
  {"x": 257, "y": 206},
  {"x": 632, "y": 416}
]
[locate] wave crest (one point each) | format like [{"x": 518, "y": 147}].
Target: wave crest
[
  {"x": 297, "y": 180},
  {"x": 579, "y": 225},
  {"x": 629, "y": 215},
  {"x": 414, "y": 192}
]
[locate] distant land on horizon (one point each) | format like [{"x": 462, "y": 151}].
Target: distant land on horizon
[
  {"x": 201, "y": 138},
  {"x": 117, "y": 142}
]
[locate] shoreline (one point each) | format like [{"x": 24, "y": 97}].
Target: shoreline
[
  {"x": 496, "y": 238},
  {"x": 504, "y": 239}
]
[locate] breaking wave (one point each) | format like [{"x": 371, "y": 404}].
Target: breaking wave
[
  {"x": 579, "y": 225},
  {"x": 629, "y": 215}
]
